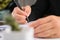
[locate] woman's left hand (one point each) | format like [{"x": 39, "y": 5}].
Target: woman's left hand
[{"x": 47, "y": 27}]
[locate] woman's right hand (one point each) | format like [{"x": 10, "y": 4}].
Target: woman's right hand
[{"x": 20, "y": 15}]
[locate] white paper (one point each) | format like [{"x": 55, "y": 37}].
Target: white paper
[
  {"x": 1, "y": 36},
  {"x": 47, "y": 39}
]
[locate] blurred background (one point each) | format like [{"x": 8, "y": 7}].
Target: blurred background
[{"x": 6, "y": 7}]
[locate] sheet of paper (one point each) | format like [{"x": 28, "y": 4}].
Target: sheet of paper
[
  {"x": 1, "y": 36},
  {"x": 47, "y": 39}
]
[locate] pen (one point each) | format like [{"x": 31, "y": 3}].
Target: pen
[{"x": 23, "y": 3}]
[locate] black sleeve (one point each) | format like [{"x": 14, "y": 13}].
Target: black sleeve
[
  {"x": 56, "y": 6},
  {"x": 38, "y": 10}
]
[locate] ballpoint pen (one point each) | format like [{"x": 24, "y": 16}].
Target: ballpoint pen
[
  {"x": 20, "y": 6},
  {"x": 22, "y": 3}
]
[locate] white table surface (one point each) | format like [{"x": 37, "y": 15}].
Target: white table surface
[{"x": 47, "y": 39}]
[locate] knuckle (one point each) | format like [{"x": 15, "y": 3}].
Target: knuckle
[
  {"x": 53, "y": 17},
  {"x": 12, "y": 14},
  {"x": 15, "y": 8}
]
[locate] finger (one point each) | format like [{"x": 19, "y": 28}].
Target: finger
[
  {"x": 17, "y": 16},
  {"x": 46, "y": 33},
  {"x": 19, "y": 11},
  {"x": 27, "y": 10},
  {"x": 41, "y": 21},
  {"x": 33, "y": 24},
  {"x": 21, "y": 21},
  {"x": 53, "y": 36},
  {"x": 43, "y": 27}
]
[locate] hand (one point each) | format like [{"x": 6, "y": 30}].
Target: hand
[
  {"x": 48, "y": 27},
  {"x": 20, "y": 15}
]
